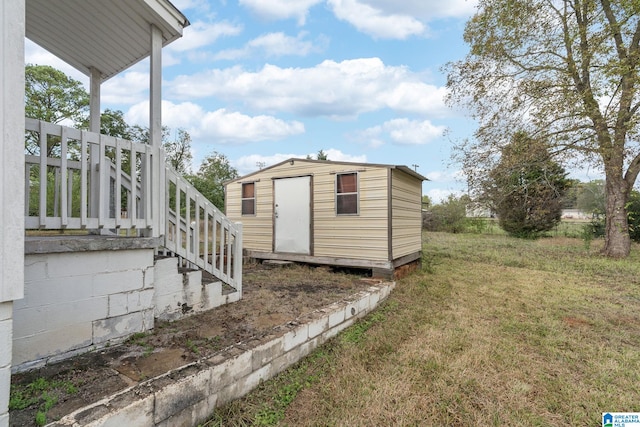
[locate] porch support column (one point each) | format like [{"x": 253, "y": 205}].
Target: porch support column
[
  {"x": 12, "y": 181},
  {"x": 155, "y": 133},
  {"x": 95, "y": 83}
]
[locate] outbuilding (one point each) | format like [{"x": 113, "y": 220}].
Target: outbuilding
[{"x": 334, "y": 213}]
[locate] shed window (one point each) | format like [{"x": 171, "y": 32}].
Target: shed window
[
  {"x": 249, "y": 198},
  {"x": 347, "y": 194}
]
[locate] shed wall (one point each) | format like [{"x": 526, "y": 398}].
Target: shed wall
[
  {"x": 406, "y": 214},
  {"x": 363, "y": 236}
]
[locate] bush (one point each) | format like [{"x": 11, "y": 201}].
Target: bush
[{"x": 448, "y": 216}]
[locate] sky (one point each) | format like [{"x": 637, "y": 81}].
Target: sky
[{"x": 261, "y": 81}]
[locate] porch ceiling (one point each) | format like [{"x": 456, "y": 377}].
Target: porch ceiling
[{"x": 108, "y": 35}]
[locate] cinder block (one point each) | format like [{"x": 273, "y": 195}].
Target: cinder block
[
  {"x": 6, "y": 310},
  {"x": 116, "y": 282},
  {"x": 35, "y": 267},
  {"x": 168, "y": 307},
  {"x": 5, "y": 342},
  {"x": 231, "y": 370},
  {"x": 180, "y": 395},
  {"x": 168, "y": 284},
  {"x": 337, "y": 329},
  {"x": 351, "y": 310},
  {"x": 266, "y": 352},
  {"x": 55, "y": 291},
  {"x": 318, "y": 326},
  {"x": 53, "y": 342},
  {"x": 148, "y": 279},
  {"x": 336, "y": 316},
  {"x": 374, "y": 298},
  {"x": 37, "y": 320},
  {"x": 192, "y": 416},
  {"x": 166, "y": 266},
  {"x": 212, "y": 295},
  {"x": 118, "y": 305},
  {"x": 251, "y": 381},
  {"x": 5, "y": 384},
  {"x": 138, "y": 413},
  {"x": 227, "y": 394},
  {"x": 117, "y": 327},
  {"x": 84, "y": 263},
  {"x": 4, "y": 419},
  {"x": 138, "y": 259},
  {"x": 192, "y": 290},
  {"x": 364, "y": 304},
  {"x": 139, "y": 301},
  {"x": 147, "y": 319},
  {"x": 295, "y": 337}
]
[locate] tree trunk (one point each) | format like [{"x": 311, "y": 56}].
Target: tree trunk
[{"x": 617, "y": 241}]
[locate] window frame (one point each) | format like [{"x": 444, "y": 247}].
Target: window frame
[
  {"x": 243, "y": 199},
  {"x": 337, "y": 195}
]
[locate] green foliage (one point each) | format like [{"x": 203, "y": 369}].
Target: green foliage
[
  {"x": 633, "y": 213},
  {"x": 209, "y": 179},
  {"x": 591, "y": 198},
  {"x": 320, "y": 155},
  {"x": 449, "y": 216},
  {"x": 526, "y": 188},
  {"x": 546, "y": 66},
  {"x": 40, "y": 392}
]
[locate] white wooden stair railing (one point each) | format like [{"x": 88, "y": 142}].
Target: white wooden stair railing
[{"x": 85, "y": 181}]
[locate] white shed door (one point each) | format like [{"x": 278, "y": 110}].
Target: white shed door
[{"x": 292, "y": 212}]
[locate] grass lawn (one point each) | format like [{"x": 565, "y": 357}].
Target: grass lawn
[{"x": 493, "y": 331}]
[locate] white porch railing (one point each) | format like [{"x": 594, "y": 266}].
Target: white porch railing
[{"x": 80, "y": 180}]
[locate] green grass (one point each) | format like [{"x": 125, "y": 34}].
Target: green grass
[
  {"x": 41, "y": 393},
  {"x": 493, "y": 331}
]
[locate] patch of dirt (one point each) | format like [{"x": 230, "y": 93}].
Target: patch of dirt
[{"x": 272, "y": 296}]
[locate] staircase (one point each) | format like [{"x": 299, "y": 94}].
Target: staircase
[{"x": 80, "y": 180}]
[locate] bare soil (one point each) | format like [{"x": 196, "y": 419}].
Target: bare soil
[{"x": 272, "y": 296}]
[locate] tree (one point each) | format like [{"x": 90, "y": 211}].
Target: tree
[
  {"x": 448, "y": 215},
  {"x": 214, "y": 171},
  {"x": 320, "y": 155},
  {"x": 568, "y": 72},
  {"x": 526, "y": 188},
  {"x": 54, "y": 97},
  {"x": 633, "y": 209},
  {"x": 178, "y": 151},
  {"x": 591, "y": 198}
]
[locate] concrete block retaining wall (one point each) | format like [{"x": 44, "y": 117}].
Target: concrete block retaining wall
[{"x": 188, "y": 395}]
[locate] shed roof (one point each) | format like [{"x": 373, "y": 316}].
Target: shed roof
[
  {"x": 405, "y": 169},
  {"x": 108, "y": 35}
]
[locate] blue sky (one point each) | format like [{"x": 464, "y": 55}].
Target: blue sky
[{"x": 261, "y": 81}]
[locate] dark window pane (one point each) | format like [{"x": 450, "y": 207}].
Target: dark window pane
[
  {"x": 347, "y": 204},
  {"x": 247, "y": 190},
  {"x": 347, "y": 183},
  {"x": 248, "y": 207}
]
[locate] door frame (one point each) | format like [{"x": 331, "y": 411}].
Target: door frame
[{"x": 311, "y": 205}]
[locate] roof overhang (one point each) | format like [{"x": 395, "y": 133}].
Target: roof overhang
[{"x": 106, "y": 35}]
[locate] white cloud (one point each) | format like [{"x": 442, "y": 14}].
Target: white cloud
[
  {"x": 402, "y": 132},
  {"x": 332, "y": 89},
  {"x": 220, "y": 126},
  {"x": 376, "y": 22},
  {"x": 281, "y": 9},
  {"x": 252, "y": 162},
  {"x": 273, "y": 45},
  {"x": 126, "y": 88},
  {"x": 426, "y": 10},
  {"x": 203, "y": 34},
  {"x": 34, "y": 54},
  {"x": 439, "y": 195}
]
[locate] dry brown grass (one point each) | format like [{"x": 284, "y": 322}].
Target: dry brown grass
[{"x": 499, "y": 332}]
